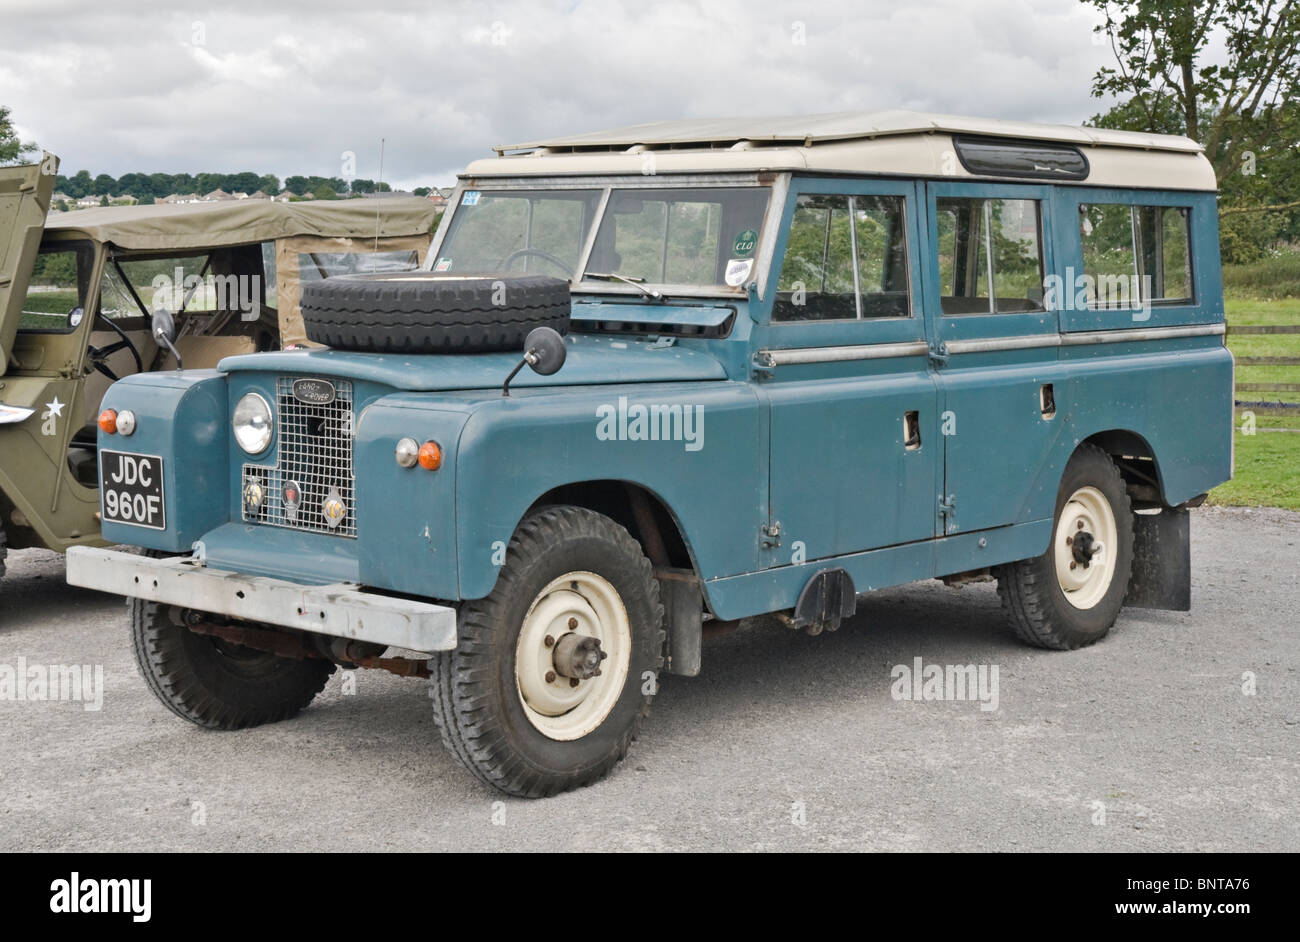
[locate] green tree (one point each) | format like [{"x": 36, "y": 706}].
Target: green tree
[
  {"x": 1161, "y": 48},
  {"x": 245, "y": 182},
  {"x": 80, "y": 185},
  {"x": 360, "y": 185},
  {"x": 104, "y": 185},
  {"x": 12, "y": 150},
  {"x": 269, "y": 184},
  {"x": 325, "y": 192}
]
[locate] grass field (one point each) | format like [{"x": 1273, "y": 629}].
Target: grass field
[{"x": 1268, "y": 461}]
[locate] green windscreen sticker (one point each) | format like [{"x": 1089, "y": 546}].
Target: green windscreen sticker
[{"x": 745, "y": 243}]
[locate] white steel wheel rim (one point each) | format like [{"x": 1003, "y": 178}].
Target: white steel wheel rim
[
  {"x": 1087, "y": 511},
  {"x": 585, "y": 603}
]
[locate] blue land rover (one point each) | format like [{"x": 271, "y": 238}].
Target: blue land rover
[{"x": 672, "y": 376}]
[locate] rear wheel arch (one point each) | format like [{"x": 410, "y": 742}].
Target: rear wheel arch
[{"x": 1136, "y": 460}]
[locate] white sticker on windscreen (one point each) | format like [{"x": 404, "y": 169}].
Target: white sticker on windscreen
[
  {"x": 738, "y": 270},
  {"x": 470, "y": 198}
]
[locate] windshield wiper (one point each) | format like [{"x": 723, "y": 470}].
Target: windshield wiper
[{"x": 633, "y": 281}]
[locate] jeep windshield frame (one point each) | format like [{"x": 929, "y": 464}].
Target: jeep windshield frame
[{"x": 605, "y": 198}]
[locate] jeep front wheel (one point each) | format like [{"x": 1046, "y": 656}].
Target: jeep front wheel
[
  {"x": 213, "y": 683},
  {"x": 1071, "y": 595},
  {"x": 553, "y": 671}
]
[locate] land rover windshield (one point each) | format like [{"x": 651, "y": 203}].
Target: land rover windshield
[{"x": 692, "y": 238}]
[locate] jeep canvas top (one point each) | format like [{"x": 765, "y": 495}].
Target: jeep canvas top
[
  {"x": 678, "y": 375},
  {"x": 77, "y": 290}
]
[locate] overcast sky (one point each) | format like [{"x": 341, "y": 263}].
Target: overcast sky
[{"x": 288, "y": 86}]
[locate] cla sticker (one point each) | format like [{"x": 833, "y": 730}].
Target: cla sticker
[
  {"x": 744, "y": 245},
  {"x": 738, "y": 270},
  {"x": 314, "y": 392}
]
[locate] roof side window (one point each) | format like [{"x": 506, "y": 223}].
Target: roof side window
[
  {"x": 990, "y": 242},
  {"x": 1035, "y": 159},
  {"x": 846, "y": 258},
  {"x": 1134, "y": 255}
]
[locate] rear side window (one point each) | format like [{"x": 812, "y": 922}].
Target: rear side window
[
  {"x": 1134, "y": 255},
  {"x": 990, "y": 256},
  {"x": 846, "y": 259},
  {"x": 1038, "y": 159}
]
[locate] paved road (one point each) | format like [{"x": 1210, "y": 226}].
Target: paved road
[{"x": 786, "y": 742}]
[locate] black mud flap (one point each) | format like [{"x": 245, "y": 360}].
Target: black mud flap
[
  {"x": 679, "y": 590},
  {"x": 1162, "y": 561},
  {"x": 827, "y": 599}
]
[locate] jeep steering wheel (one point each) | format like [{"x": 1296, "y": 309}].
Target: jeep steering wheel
[
  {"x": 523, "y": 253},
  {"x": 99, "y": 355}
]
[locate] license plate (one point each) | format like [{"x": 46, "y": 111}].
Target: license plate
[{"x": 131, "y": 489}]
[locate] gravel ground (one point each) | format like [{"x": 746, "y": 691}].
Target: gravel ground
[{"x": 1144, "y": 742}]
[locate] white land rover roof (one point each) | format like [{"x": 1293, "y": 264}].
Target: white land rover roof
[{"x": 894, "y": 143}]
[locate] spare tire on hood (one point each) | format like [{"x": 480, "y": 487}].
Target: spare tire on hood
[{"x": 423, "y": 312}]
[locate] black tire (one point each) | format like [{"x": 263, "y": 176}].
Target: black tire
[
  {"x": 1032, "y": 597},
  {"x": 214, "y": 684},
  {"x": 422, "y": 312},
  {"x": 4, "y": 551},
  {"x": 477, "y": 702}
]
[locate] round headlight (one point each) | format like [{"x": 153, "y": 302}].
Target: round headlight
[{"x": 252, "y": 424}]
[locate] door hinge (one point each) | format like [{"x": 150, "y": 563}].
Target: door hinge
[
  {"x": 938, "y": 355},
  {"x": 948, "y": 512},
  {"x": 771, "y": 534}
]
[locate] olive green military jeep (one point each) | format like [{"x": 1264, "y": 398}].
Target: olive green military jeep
[{"x": 77, "y": 291}]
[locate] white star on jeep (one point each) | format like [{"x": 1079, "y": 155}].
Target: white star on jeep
[{"x": 55, "y": 407}]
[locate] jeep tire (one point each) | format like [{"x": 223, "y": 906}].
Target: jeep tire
[
  {"x": 509, "y": 702},
  {"x": 1071, "y": 595},
  {"x": 423, "y": 312},
  {"x": 215, "y": 684}
]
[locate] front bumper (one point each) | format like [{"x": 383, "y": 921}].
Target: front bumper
[{"x": 339, "y": 610}]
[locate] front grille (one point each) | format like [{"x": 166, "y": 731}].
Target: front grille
[{"x": 314, "y": 457}]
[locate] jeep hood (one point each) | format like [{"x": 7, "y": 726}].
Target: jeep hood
[
  {"x": 24, "y": 200},
  {"x": 591, "y": 361}
]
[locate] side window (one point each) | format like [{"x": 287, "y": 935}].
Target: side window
[
  {"x": 1135, "y": 254},
  {"x": 846, "y": 259},
  {"x": 989, "y": 241},
  {"x": 56, "y": 291}
]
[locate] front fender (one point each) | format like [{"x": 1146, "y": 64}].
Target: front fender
[
  {"x": 183, "y": 418},
  {"x": 710, "y": 469}
]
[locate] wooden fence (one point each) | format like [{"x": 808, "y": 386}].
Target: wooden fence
[{"x": 1267, "y": 329}]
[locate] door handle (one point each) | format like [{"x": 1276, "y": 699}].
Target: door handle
[{"x": 911, "y": 431}]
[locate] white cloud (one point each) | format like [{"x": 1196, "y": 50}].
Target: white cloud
[{"x": 288, "y": 87}]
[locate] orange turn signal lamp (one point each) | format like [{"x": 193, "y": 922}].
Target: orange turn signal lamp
[
  {"x": 111, "y": 421},
  {"x": 430, "y": 456}
]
